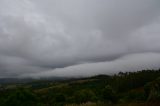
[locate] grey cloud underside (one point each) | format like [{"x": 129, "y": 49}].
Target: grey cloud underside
[{"x": 77, "y": 37}]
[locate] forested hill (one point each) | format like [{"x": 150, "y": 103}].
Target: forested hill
[{"x": 139, "y": 88}]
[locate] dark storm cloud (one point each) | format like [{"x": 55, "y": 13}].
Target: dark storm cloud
[{"x": 78, "y": 37}]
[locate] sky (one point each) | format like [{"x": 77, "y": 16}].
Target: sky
[{"x": 72, "y": 38}]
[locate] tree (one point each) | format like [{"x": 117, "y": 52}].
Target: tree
[
  {"x": 152, "y": 90},
  {"x": 84, "y": 95},
  {"x": 108, "y": 94},
  {"x": 21, "y": 97}
]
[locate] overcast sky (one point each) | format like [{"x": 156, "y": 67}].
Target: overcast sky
[{"x": 44, "y": 38}]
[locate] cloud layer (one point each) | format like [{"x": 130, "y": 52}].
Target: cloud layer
[{"x": 78, "y": 37}]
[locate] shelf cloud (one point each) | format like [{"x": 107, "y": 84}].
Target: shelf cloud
[{"x": 45, "y": 38}]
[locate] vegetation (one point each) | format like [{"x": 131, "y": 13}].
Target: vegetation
[{"x": 141, "y": 88}]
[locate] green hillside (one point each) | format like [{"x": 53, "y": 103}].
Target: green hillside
[{"x": 141, "y": 88}]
